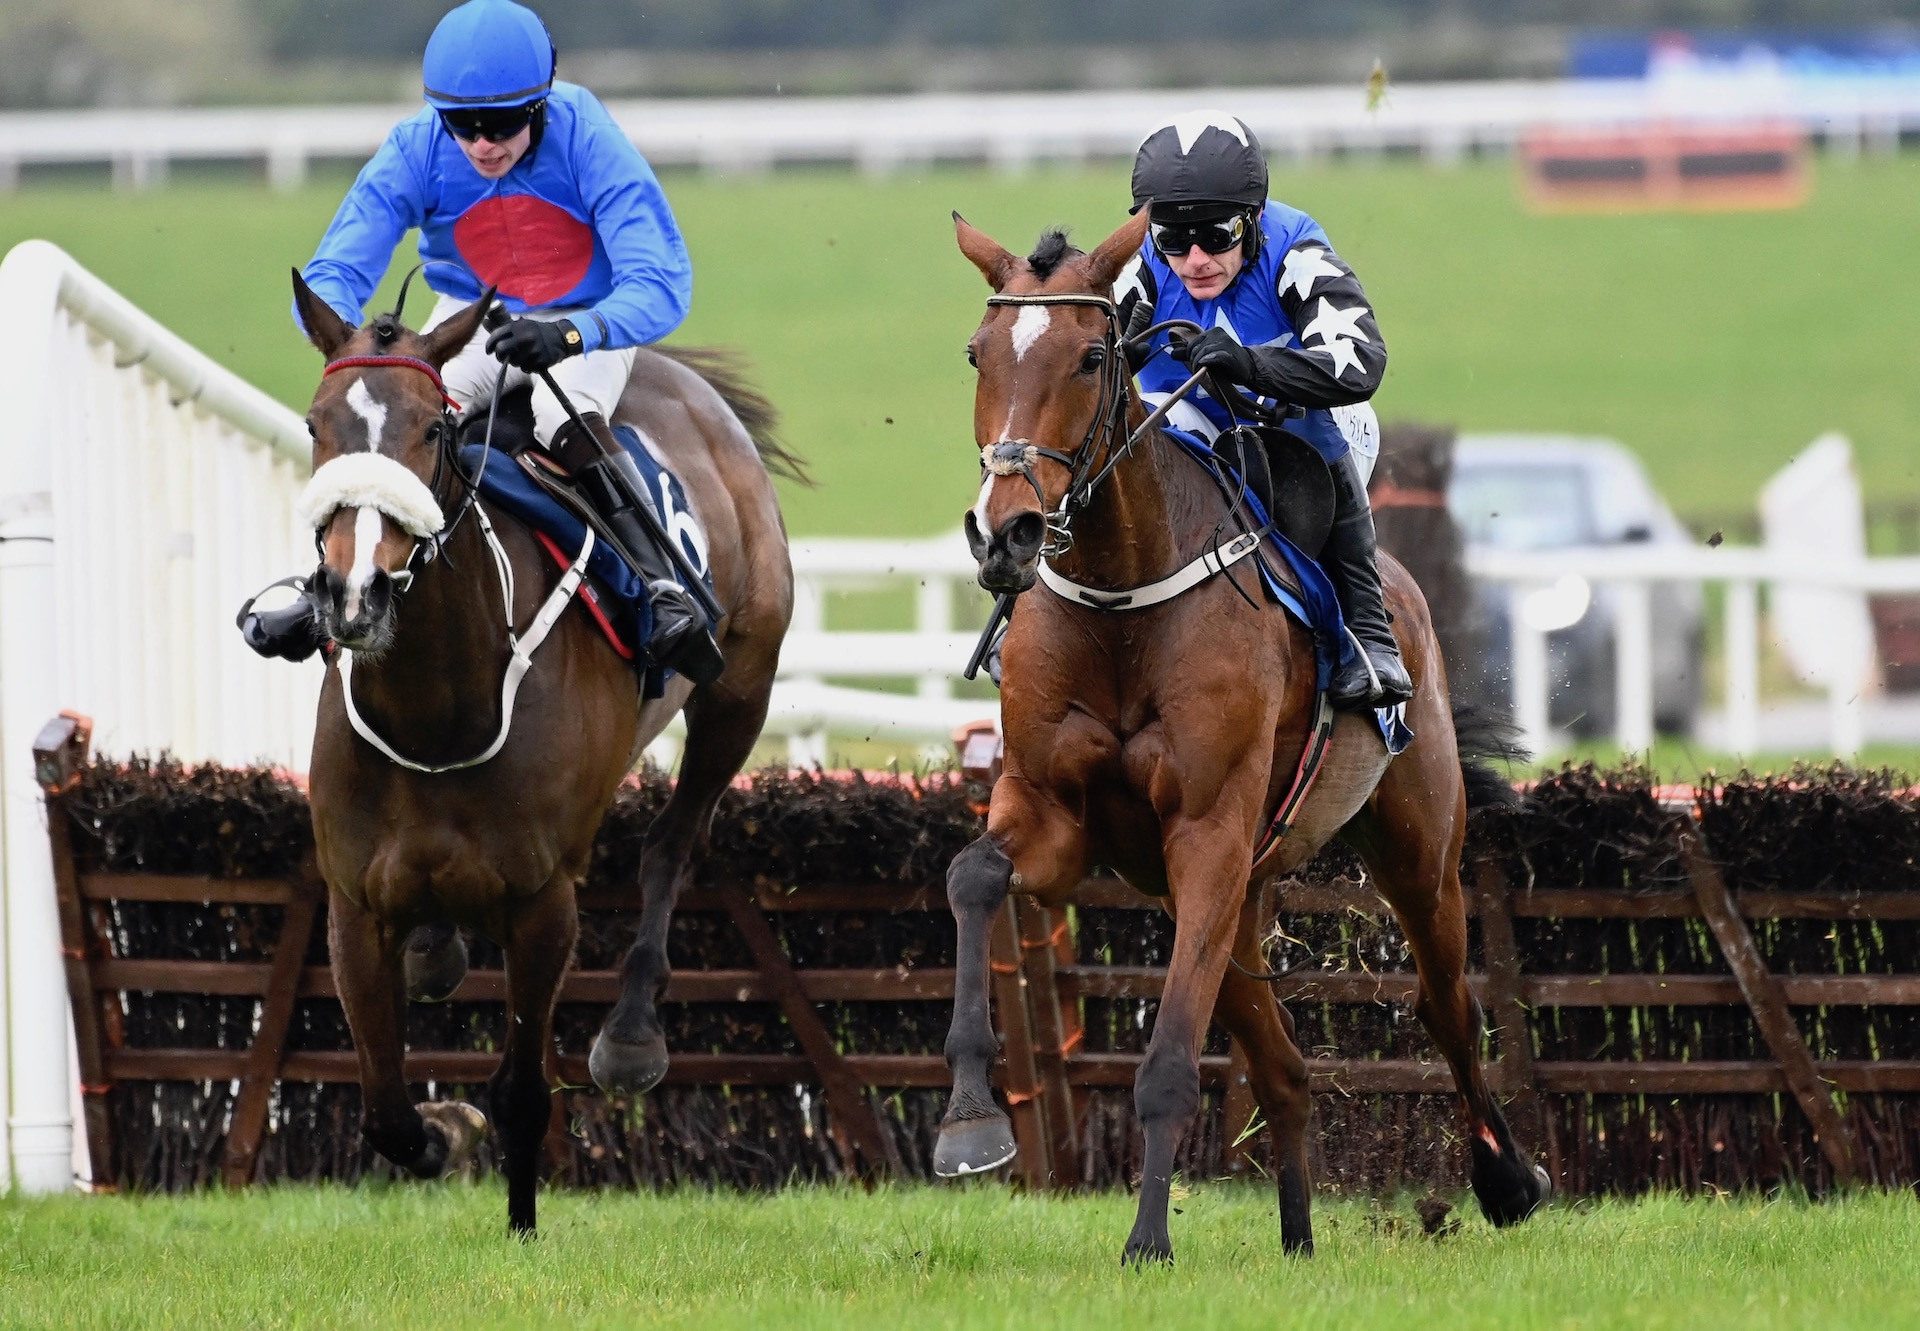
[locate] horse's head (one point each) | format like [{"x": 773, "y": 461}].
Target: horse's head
[
  {"x": 1051, "y": 392},
  {"x": 381, "y": 428}
]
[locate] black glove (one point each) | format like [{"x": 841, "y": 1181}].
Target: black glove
[
  {"x": 1138, "y": 322},
  {"x": 1216, "y": 350},
  {"x": 535, "y": 344}
]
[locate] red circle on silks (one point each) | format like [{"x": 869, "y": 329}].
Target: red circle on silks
[{"x": 532, "y": 250}]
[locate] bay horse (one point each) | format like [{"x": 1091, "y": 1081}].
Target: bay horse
[
  {"x": 1159, "y": 741},
  {"x": 425, "y": 608}
]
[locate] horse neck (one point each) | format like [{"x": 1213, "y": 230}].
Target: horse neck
[
  {"x": 439, "y": 681},
  {"x": 1149, "y": 517}
]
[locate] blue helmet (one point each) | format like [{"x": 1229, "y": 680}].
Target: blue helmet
[{"x": 488, "y": 53}]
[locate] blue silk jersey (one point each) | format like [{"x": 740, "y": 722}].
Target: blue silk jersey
[
  {"x": 580, "y": 222},
  {"x": 1296, "y": 299}
]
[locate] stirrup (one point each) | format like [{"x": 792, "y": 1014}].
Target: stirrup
[{"x": 688, "y": 646}]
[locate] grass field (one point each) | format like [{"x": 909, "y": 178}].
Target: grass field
[
  {"x": 1713, "y": 345},
  {"x": 984, "y": 1257}
]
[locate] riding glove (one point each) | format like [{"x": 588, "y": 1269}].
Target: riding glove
[
  {"x": 1216, "y": 350},
  {"x": 535, "y": 344}
]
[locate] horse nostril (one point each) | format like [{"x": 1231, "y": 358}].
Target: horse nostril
[
  {"x": 1024, "y": 534},
  {"x": 976, "y": 539}
]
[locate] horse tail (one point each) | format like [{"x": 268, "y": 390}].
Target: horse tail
[
  {"x": 726, "y": 371},
  {"x": 1483, "y": 738}
]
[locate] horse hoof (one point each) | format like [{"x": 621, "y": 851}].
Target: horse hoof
[
  {"x": 973, "y": 1146},
  {"x": 622, "y": 1067},
  {"x": 464, "y": 1127},
  {"x": 1151, "y": 1250},
  {"x": 433, "y": 973},
  {"x": 1508, "y": 1195}
]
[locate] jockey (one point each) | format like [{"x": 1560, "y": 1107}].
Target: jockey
[
  {"x": 1284, "y": 320},
  {"x": 526, "y": 184}
]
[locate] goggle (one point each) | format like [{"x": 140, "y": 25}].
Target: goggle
[
  {"x": 494, "y": 124},
  {"x": 1215, "y": 237}
]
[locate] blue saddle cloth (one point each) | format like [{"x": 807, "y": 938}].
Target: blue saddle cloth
[
  {"x": 621, "y": 591},
  {"x": 1315, "y": 605}
]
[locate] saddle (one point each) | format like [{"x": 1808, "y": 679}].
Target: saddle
[{"x": 1287, "y": 476}]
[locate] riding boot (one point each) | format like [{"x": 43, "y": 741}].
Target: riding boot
[
  {"x": 680, "y": 640},
  {"x": 1375, "y": 676}
]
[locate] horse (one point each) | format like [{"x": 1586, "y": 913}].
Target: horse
[
  {"x": 432, "y": 829},
  {"x": 1165, "y": 737}
]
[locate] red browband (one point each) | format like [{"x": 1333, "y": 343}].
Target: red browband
[{"x": 405, "y": 362}]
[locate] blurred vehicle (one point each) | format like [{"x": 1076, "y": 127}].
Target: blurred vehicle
[{"x": 1552, "y": 492}]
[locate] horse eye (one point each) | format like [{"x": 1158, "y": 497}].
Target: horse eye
[
  {"x": 972, "y": 359},
  {"x": 1093, "y": 360},
  {"x": 310, "y": 433}
]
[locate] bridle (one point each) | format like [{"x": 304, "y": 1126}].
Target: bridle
[{"x": 1016, "y": 457}]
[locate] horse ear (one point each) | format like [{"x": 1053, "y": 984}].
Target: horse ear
[
  {"x": 446, "y": 340},
  {"x": 324, "y": 327},
  {"x": 1116, "y": 252},
  {"x": 985, "y": 253}
]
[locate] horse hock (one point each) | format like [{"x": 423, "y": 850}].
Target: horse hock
[{"x": 975, "y": 1135}]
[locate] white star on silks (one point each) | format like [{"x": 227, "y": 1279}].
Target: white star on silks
[
  {"x": 1191, "y": 125},
  {"x": 1331, "y": 323},
  {"x": 1303, "y": 267},
  {"x": 1341, "y": 349}
]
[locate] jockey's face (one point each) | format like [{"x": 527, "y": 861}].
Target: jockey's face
[
  {"x": 1205, "y": 275},
  {"x": 494, "y": 160}
]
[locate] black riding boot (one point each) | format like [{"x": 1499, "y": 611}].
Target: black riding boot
[
  {"x": 1376, "y": 677},
  {"x": 681, "y": 640}
]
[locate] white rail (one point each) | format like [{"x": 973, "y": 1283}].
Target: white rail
[{"x": 1441, "y": 121}]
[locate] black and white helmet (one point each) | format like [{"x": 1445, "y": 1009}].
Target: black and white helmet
[{"x": 1198, "y": 159}]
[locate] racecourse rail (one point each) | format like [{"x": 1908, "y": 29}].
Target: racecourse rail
[
  {"x": 145, "y": 491},
  {"x": 1442, "y": 122}
]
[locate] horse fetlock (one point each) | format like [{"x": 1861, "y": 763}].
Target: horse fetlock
[
  {"x": 1508, "y": 1186},
  {"x": 627, "y": 1067},
  {"x": 461, "y": 1128},
  {"x": 1148, "y": 1247}
]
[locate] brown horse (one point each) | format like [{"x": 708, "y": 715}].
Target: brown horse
[
  {"x": 414, "y": 600},
  {"x": 1159, "y": 741}
]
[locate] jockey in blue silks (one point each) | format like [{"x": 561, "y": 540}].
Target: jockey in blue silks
[
  {"x": 1284, "y": 320},
  {"x": 526, "y": 184}
]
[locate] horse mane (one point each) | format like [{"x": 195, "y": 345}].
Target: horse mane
[
  {"x": 726, "y": 372},
  {"x": 1050, "y": 251}
]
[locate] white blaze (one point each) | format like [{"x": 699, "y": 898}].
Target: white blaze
[
  {"x": 367, "y": 525},
  {"x": 369, "y": 410},
  {"x": 1028, "y": 328}
]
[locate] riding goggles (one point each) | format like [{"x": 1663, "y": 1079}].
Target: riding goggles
[
  {"x": 1214, "y": 237},
  {"x": 493, "y": 123}
]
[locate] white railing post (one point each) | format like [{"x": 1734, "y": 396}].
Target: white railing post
[
  {"x": 1633, "y": 666},
  {"x": 1530, "y": 686},
  {"x": 933, "y": 613},
  {"x": 806, "y": 749},
  {"x": 1742, "y": 648},
  {"x": 38, "y": 1105}
]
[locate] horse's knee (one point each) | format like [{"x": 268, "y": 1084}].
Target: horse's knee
[
  {"x": 978, "y": 878},
  {"x": 1167, "y": 1088}
]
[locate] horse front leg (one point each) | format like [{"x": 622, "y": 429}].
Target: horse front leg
[
  {"x": 539, "y": 945},
  {"x": 1207, "y": 867},
  {"x": 425, "y": 1140},
  {"x": 975, "y": 1133}
]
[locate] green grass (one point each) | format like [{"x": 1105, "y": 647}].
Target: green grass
[
  {"x": 1713, "y": 345},
  {"x": 983, "y": 1257}
]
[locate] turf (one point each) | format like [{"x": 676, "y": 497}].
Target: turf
[
  {"x": 983, "y": 1257},
  {"x": 1713, "y": 345}
]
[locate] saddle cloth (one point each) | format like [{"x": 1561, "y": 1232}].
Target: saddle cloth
[
  {"x": 618, "y": 590},
  {"x": 1296, "y": 580}
]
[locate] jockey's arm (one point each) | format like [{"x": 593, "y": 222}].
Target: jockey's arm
[
  {"x": 1342, "y": 356},
  {"x": 386, "y": 200},
  {"x": 652, "y": 275}
]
